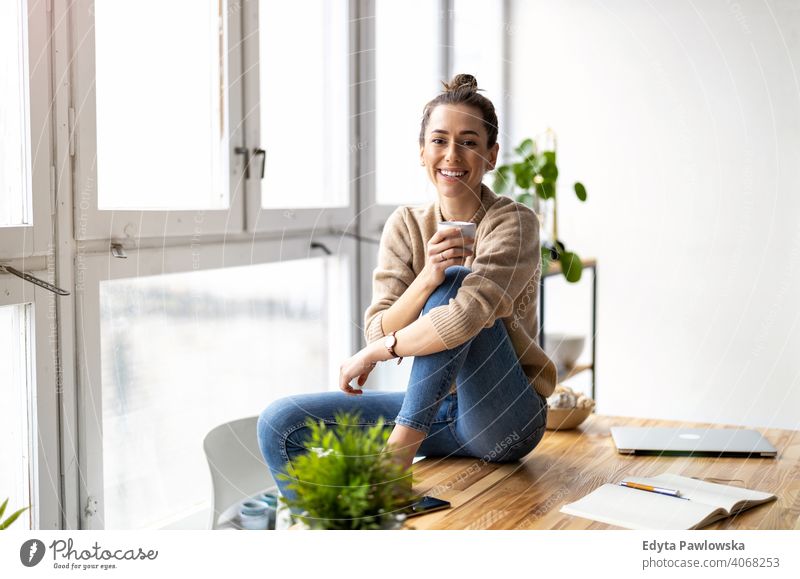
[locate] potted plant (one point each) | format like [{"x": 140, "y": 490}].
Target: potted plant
[
  {"x": 7, "y": 523},
  {"x": 346, "y": 480},
  {"x": 532, "y": 177}
]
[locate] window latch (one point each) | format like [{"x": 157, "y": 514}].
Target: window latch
[
  {"x": 246, "y": 152},
  {"x": 34, "y": 280},
  {"x": 263, "y": 154}
]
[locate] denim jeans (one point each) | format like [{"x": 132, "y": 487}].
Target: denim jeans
[{"x": 495, "y": 415}]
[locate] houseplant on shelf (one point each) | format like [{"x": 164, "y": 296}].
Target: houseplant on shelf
[
  {"x": 4, "y": 524},
  {"x": 532, "y": 178},
  {"x": 346, "y": 481}
]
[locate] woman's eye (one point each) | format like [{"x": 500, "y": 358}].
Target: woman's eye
[
  {"x": 437, "y": 140},
  {"x": 470, "y": 143}
]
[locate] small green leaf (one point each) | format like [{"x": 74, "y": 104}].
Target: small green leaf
[
  {"x": 523, "y": 172},
  {"x": 571, "y": 266},
  {"x": 546, "y": 259},
  {"x": 525, "y": 148},
  {"x": 525, "y": 199},
  {"x": 549, "y": 171},
  {"x": 503, "y": 179},
  {"x": 7, "y": 523},
  {"x": 546, "y": 190},
  {"x": 580, "y": 191},
  {"x": 3, "y": 508}
]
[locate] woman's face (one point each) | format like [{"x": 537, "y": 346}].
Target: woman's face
[{"x": 455, "y": 141}]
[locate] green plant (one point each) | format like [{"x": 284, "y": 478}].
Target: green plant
[
  {"x": 5, "y": 524},
  {"x": 534, "y": 176},
  {"x": 346, "y": 481}
]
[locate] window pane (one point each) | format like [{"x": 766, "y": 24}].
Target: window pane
[
  {"x": 184, "y": 353},
  {"x": 162, "y": 104},
  {"x": 407, "y": 61},
  {"x": 304, "y": 103},
  {"x": 14, "y": 148},
  {"x": 483, "y": 60},
  {"x": 16, "y": 452}
]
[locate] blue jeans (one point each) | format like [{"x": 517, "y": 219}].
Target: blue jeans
[{"x": 496, "y": 414}]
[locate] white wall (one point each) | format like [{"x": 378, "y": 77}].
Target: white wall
[{"x": 683, "y": 120}]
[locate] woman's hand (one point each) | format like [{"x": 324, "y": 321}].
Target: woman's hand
[
  {"x": 445, "y": 249},
  {"x": 359, "y": 366}
]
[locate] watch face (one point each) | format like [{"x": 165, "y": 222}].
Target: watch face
[{"x": 390, "y": 341}]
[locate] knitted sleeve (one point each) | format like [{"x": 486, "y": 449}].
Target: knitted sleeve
[
  {"x": 506, "y": 260},
  {"x": 393, "y": 274}
]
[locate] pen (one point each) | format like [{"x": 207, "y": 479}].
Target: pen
[{"x": 652, "y": 489}]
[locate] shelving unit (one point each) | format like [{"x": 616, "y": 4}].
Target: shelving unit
[{"x": 553, "y": 270}]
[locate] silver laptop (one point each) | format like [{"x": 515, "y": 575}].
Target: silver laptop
[{"x": 691, "y": 441}]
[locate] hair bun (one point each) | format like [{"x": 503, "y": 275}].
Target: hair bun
[{"x": 465, "y": 82}]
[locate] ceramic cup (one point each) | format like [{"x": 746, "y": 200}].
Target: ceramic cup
[
  {"x": 254, "y": 515},
  {"x": 467, "y": 229}
]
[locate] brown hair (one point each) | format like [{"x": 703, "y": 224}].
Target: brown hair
[{"x": 463, "y": 90}]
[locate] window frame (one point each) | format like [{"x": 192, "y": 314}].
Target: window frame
[
  {"x": 43, "y": 399},
  {"x": 92, "y": 223},
  {"x": 283, "y": 219},
  {"x": 34, "y": 239},
  {"x": 149, "y": 261}
]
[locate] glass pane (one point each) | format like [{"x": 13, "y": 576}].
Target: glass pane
[
  {"x": 14, "y": 149},
  {"x": 16, "y": 451},
  {"x": 184, "y": 353},
  {"x": 478, "y": 50},
  {"x": 407, "y": 64},
  {"x": 162, "y": 105},
  {"x": 304, "y": 103}
]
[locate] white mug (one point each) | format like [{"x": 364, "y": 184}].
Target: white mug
[{"x": 467, "y": 229}]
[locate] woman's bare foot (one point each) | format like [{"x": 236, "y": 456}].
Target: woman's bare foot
[{"x": 403, "y": 444}]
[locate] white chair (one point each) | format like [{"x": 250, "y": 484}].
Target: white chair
[{"x": 238, "y": 470}]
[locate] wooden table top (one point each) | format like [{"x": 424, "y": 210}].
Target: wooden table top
[{"x": 569, "y": 465}]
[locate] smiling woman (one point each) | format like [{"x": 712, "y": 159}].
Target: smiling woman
[{"x": 478, "y": 376}]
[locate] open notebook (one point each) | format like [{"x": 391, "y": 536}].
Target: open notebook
[{"x": 636, "y": 509}]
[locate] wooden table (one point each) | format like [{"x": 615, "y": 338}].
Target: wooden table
[{"x": 568, "y": 465}]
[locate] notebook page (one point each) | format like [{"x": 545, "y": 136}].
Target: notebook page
[
  {"x": 635, "y": 509},
  {"x": 723, "y": 496}
]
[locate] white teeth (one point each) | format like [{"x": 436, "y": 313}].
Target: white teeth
[{"x": 452, "y": 173}]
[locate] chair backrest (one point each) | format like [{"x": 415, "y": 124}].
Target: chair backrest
[{"x": 238, "y": 470}]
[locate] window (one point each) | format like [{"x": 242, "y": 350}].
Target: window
[
  {"x": 299, "y": 115},
  {"x": 14, "y": 151},
  {"x": 178, "y": 353},
  {"x": 304, "y": 103},
  {"x": 25, "y": 194},
  {"x": 16, "y": 389},
  {"x": 157, "y": 118},
  {"x": 162, "y": 144},
  {"x": 29, "y": 455},
  {"x": 408, "y": 63}
]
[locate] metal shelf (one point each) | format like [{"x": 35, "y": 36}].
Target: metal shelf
[{"x": 555, "y": 269}]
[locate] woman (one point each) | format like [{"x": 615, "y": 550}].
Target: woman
[{"x": 479, "y": 378}]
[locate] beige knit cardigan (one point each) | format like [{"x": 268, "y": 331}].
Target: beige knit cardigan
[{"x": 503, "y": 283}]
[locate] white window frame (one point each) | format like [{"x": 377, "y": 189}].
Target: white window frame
[
  {"x": 34, "y": 239},
  {"x": 314, "y": 218},
  {"x": 156, "y": 261},
  {"x": 45, "y": 463},
  {"x": 92, "y": 223}
]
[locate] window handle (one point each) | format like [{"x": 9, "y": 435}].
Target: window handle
[
  {"x": 246, "y": 152},
  {"x": 34, "y": 280},
  {"x": 263, "y": 154}
]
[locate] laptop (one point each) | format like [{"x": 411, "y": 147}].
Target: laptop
[{"x": 691, "y": 442}]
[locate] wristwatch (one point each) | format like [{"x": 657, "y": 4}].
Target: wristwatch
[{"x": 390, "y": 342}]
